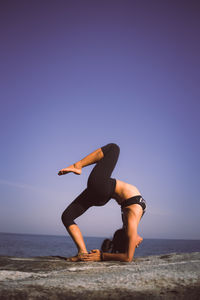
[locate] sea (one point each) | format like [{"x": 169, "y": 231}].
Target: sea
[{"x": 32, "y": 245}]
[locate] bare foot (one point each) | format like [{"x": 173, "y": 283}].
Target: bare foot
[
  {"x": 139, "y": 241},
  {"x": 73, "y": 168}
]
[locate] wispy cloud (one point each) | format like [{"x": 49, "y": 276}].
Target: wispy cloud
[{"x": 16, "y": 184}]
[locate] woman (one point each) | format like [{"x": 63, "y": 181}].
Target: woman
[{"x": 100, "y": 189}]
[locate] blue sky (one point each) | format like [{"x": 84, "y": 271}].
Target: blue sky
[{"x": 76, "y": 75}]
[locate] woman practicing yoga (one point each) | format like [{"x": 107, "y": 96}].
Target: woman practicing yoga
[{"x": 100, "y": 189}]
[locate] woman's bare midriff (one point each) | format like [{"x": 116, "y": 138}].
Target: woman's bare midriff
[{"x": 124, "y": 191}]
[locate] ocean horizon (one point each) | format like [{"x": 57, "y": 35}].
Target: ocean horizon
[
  {"x": 91, "y": 236},
  {"x": 30, "y": 245}
]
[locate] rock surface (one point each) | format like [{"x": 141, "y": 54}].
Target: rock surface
[{"x": 173, "y": 276}]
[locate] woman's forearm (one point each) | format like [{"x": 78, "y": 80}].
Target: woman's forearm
[
  {"x": 97, "y": 255},
  {"x": 115, "y": 256}
]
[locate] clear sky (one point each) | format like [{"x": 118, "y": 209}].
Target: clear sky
[{"x": 76, "y": 75}]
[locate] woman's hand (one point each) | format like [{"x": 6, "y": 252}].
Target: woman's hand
[{"x": 93, "y": 255}]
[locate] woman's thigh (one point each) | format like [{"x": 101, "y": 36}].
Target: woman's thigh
[{"x": 99, "y": 181}]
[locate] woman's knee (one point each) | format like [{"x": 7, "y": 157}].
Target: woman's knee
[
  {"x": 115, "y": 147},
  {"x": 111, "y": 147},
  {"x": 67, "y": 219}
]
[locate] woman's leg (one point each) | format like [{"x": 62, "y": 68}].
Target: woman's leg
[
  {"x": 77, "y": 237},
  {"x": 99, "y": 184},
  {"x": 99, "y": 181},
  {"x": 90, "y": 159},
  {"x": 110, "y": 153},
  {"x": 73, "y": 211}
]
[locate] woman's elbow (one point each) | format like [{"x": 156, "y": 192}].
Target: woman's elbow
[{"x": 127, "y": 258}]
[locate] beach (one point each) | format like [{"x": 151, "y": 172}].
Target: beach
[{"x": 170, "y": 276}]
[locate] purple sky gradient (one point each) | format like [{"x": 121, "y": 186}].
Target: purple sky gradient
[{"x": 76, "y": 75}]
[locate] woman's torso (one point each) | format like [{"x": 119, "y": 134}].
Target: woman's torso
[{"x": 124, "y": 191}]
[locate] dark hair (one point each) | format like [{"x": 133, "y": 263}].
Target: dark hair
[{"x": 118, "y": 244}]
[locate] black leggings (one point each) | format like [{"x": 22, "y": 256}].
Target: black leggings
[{"x": 100, "y": 187}]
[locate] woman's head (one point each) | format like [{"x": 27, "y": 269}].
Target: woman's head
[{"x": 118, "y": 244}]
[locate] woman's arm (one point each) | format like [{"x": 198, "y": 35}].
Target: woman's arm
[
  {"x": 97, "y": 255},
  {"x": 132, "y": 218},
  {"x": 116, "y": 257},
  {"x": 132, "y": 239}
]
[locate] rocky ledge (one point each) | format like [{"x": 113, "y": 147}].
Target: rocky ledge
[{"x": 173, "y": 276}]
